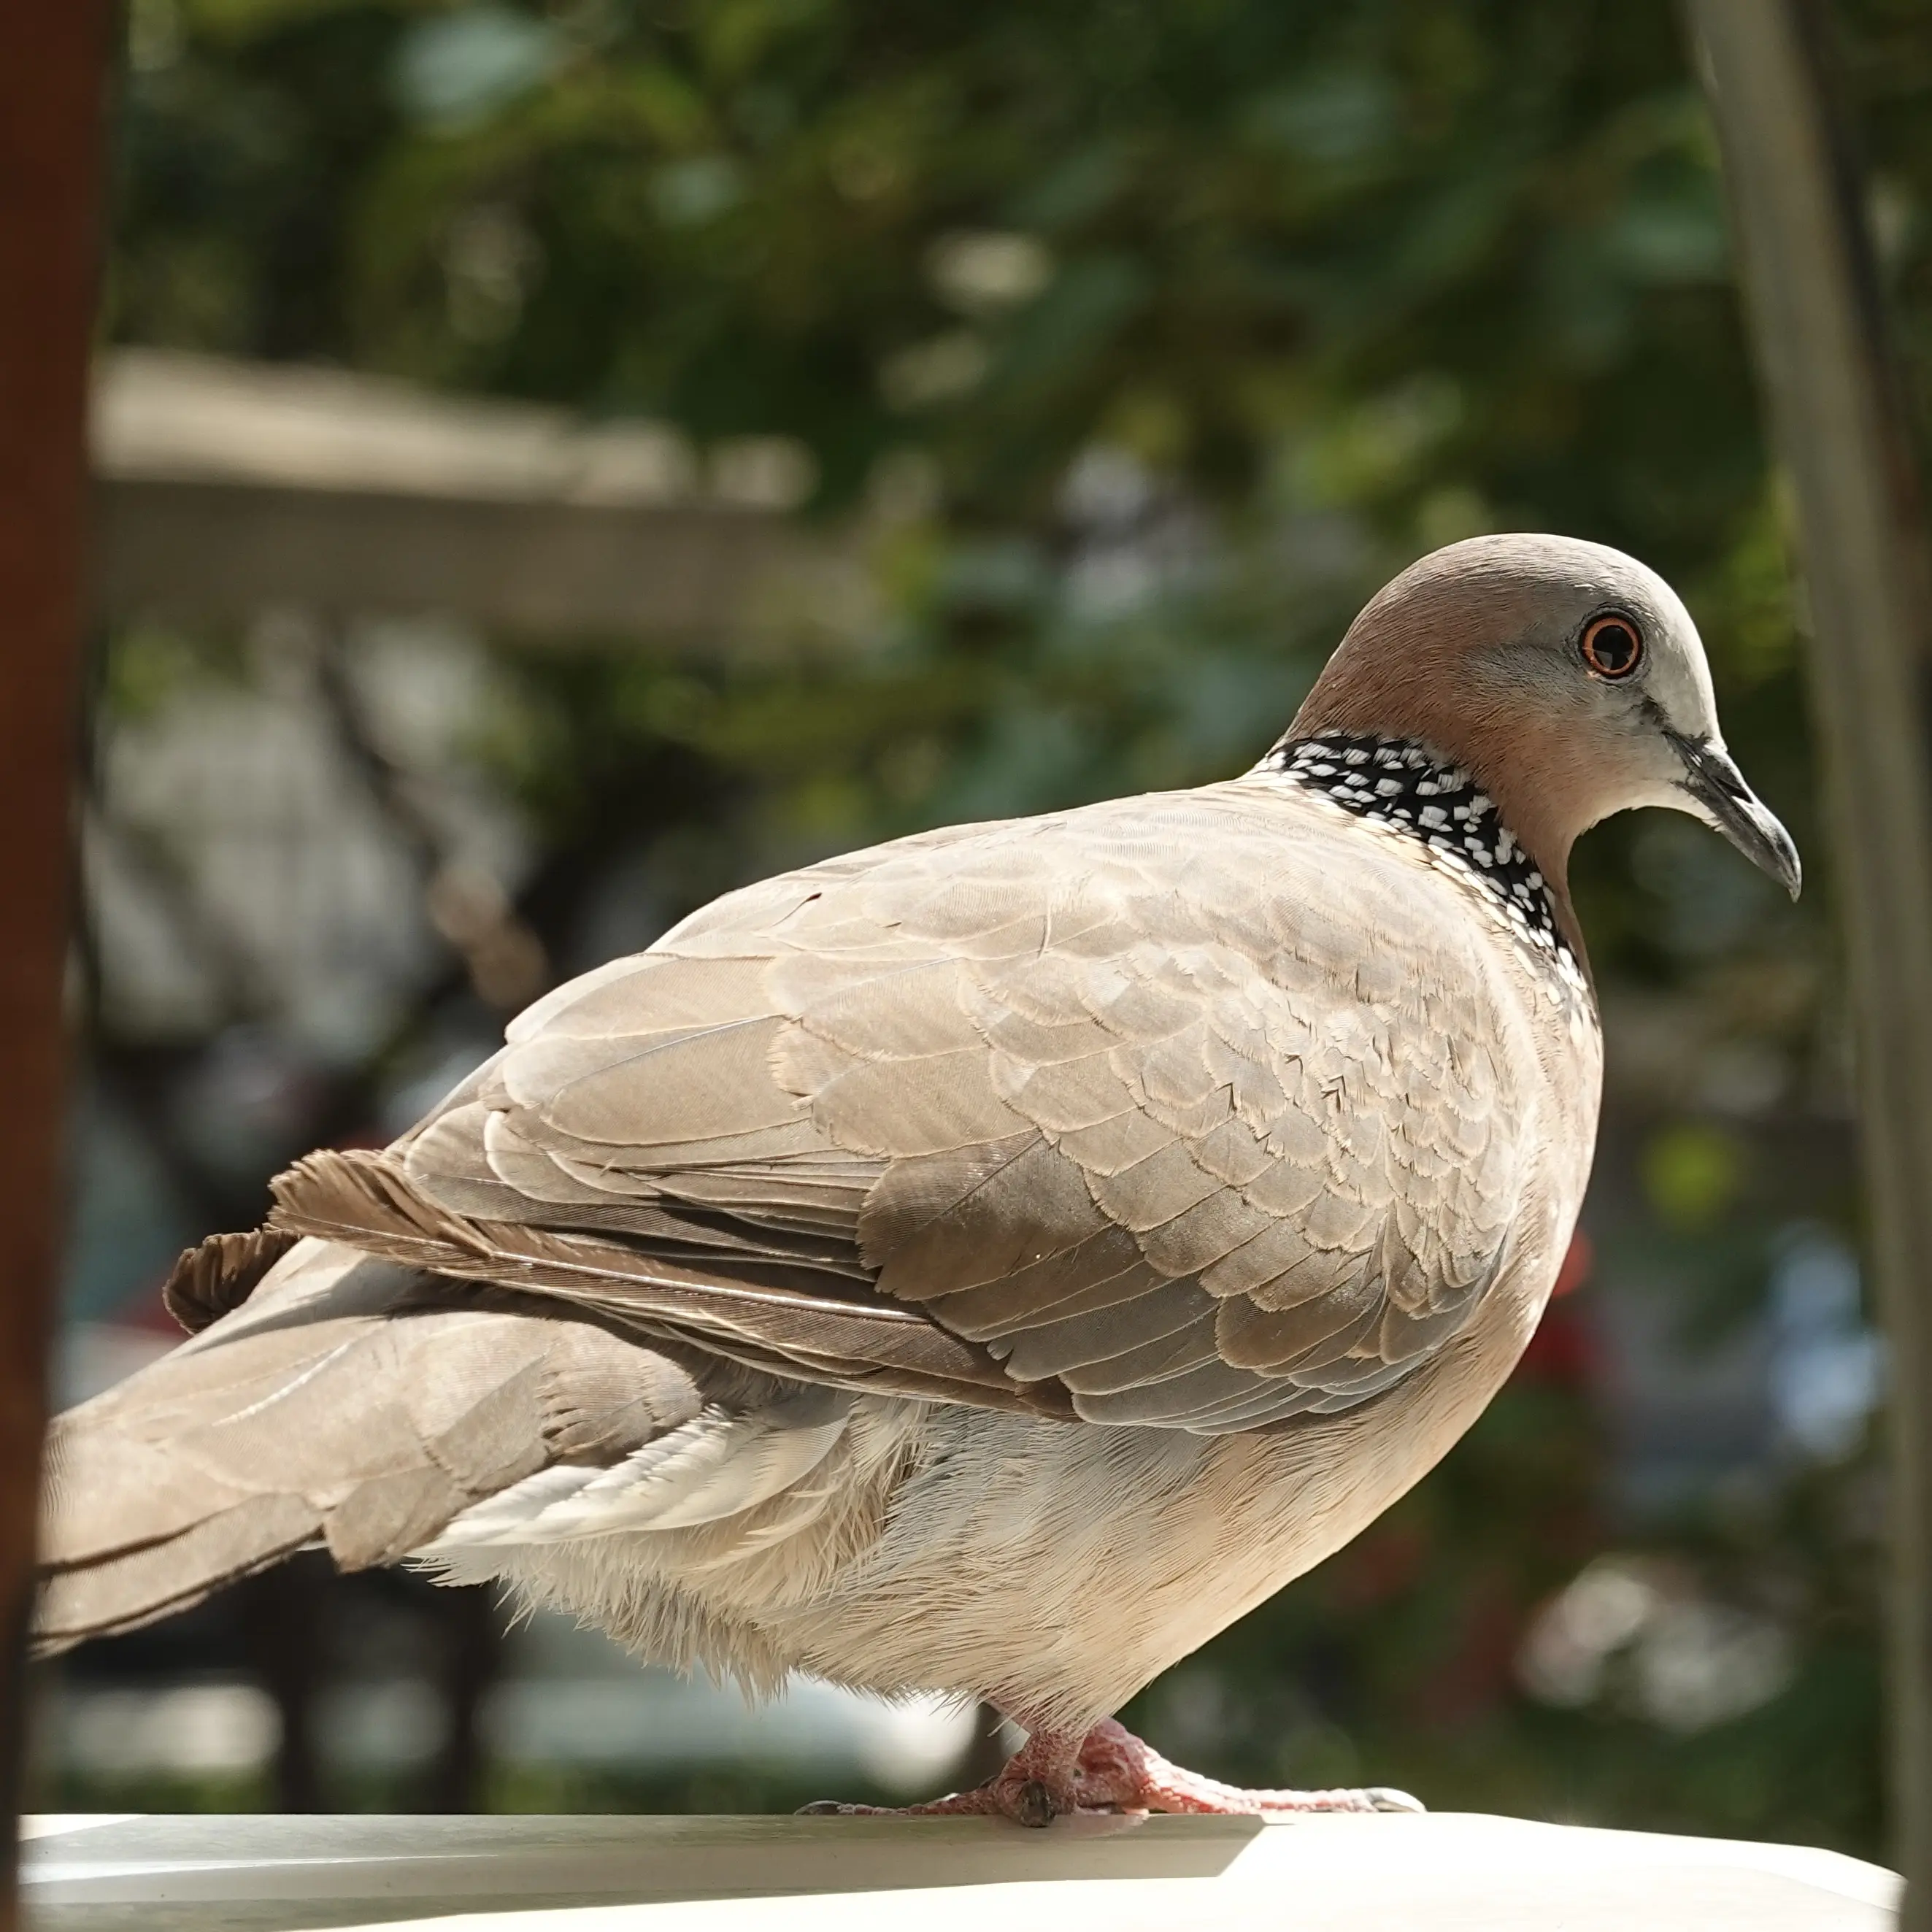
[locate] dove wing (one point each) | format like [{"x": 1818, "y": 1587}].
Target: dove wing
[{"x": 1199, "y": 1111}]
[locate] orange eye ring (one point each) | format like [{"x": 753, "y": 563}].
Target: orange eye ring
[{"x": 1612, "y": 645}]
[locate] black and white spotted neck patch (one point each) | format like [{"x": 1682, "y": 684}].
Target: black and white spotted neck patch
[{"x": 1397, "y": 782}]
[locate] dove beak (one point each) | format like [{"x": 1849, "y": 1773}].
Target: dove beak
[{"x": 1719, "y": 796}]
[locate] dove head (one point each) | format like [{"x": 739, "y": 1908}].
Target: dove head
[{"x": 1566, "y": 678}]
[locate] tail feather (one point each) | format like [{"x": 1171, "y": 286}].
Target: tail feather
[
  {"x": 140, "y": 1585},
  {"x": 329, "y": 1406}
]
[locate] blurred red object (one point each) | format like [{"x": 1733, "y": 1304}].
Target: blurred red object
[
  {"x": 1577, "y": 1265},
  {"x": 1563, "y": 1348}
]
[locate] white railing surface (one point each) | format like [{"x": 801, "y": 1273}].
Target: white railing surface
[{"x": 1388, "y": 1873}]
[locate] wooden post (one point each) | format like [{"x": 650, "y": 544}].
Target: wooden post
[
  {"x": 50, "y": 168},
  {"x": 1836, "y": 413}
]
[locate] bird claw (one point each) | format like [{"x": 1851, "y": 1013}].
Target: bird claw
[
  {"x": 1386, "y": 1798},
  {"x": 1003, "y": 1798}
]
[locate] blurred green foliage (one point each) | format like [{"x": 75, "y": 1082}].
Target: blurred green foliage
[
  {"x": 1339, "y": 284},
  {"x": 1136, "y": 342}
]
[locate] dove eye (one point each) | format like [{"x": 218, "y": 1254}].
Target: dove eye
[{"x": 1612, "y": 645}]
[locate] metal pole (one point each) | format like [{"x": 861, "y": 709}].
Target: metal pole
[
  {"x": 1835, "y": 416},
  {"x": 50, "y": 166}
]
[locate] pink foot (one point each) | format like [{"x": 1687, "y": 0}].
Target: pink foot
[
  {"x": 1119, "y": 1773},
  {"x": 1038, "y": 1784},
  {"x": 1109, "y": 1770}
]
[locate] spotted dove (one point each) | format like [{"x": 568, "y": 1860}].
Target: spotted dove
[{"x": 988, "y": 1263}]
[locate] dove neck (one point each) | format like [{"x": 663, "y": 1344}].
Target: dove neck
[
  {"x": 1411, "y": 788},
  {"x": 1537, "y": 781}
]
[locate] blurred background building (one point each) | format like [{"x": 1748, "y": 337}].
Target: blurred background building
[{"x": 556, "y": 463}]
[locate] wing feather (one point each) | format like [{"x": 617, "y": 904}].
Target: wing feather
[{"x": 1199, "y": 1112}]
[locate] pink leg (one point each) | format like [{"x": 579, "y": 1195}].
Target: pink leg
[
  {"x": 1053, "y": 1773},
  {"x": 1119, "y": 1773}
]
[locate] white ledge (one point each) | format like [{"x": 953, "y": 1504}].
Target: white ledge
[{"x": 265, "y": 1874}]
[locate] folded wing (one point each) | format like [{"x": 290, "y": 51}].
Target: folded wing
[{"x": 1200, "y": 1112}]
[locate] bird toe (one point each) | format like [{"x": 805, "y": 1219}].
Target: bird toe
[{"x": 1386, "y": 1798}]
